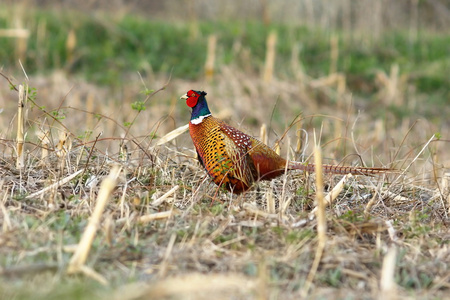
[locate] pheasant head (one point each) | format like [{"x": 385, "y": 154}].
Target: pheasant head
[{"x": 197, "y": 101}]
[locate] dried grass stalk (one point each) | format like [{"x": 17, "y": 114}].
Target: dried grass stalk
[
  {"x": 55, "y": 185},
  {"x": 270, "y": 200},
  {"x": 298, "y": 134},
  {"x": 392, "y": 86},
  {"x": 46, "y": 144},
  {"x": 321, "y": 222},
  {"x": 164, "y": 263},
  {"x": 387, "y": 280},
  {"x": 296, "y": 66},
  {"x": 124, "y": 154},
  {"x": 79, "y": 258},
  {"x": 446, "y": 188},
  {"x": 341, "y": 88},
  {"x": 379, "y": 132},
  {"x": 23, "y": 94},
  {"x": 251, "y": 209},
  {"x": 331, "y": 80},
  {"x": 71, "y": 43},
  {"x": 15, "y": 33},
  {"x": 391, "y": 230},
  {"x": 270, "y": 56},
  {"x": 263, "y": 134},
  {"x": 21, "y": 35},
  {"x": 63, "y": 148},
  {"x": 396, "y": 197},
  {"x": 370, "y": 204},
  {"x": 264, "y": 280},
  {"x": 64, "y": 145},
  {"x": 161, "y": 199},
  {"x": 334, "y": 53},
  {"x": 92, "y": 274},
  {"x": 211, "y": 57},
  {"x": 155, "y": 216},
  {"x": 277, "y": 148},
  {"x": 321, "y": 203},
  {"x": 220, "y": 229},
  {"x": 173, "y": 134},
  {"x": 331, "y": 196},
  {"x": 7, "y": 225},
  {"x": 146, "y": 218}
]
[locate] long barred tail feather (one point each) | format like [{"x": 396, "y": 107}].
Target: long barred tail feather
[{"x": 334, "y": 169}]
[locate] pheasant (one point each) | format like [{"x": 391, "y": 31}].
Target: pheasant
[{"x": 236, "y": 160}]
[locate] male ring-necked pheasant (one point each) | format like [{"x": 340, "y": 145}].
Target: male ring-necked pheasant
[{"x": 236, "y": 160}]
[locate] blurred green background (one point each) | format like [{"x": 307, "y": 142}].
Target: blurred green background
[{"x": 122, "y": 37}]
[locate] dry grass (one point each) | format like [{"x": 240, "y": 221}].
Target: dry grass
[{"x": 166, "y": 232}]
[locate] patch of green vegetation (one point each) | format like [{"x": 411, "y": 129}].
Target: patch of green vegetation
[
  {"x": 138, "y": 106},
  {"x": 225, "y": 237},
  {"x": 399, "y": 112},
  {"x": 279, "y": 231},
  {"x": 251, "y": 269},
  {"x": 46, "y": 287},
  {"x": 217, "y": 208},
  {"x": 419, "y": 225},
  {"x": 409, "y": 279},
  {"x": 352, "y": 217},
  {"x": 303, "y": 192},
  {"x": 332, "y": 277},
  {"x": 295, "y": 236},
  {"x": 86, "y": 135},
  {"x": 149, "y": 176},
  {"x": 292, "y": 236}
]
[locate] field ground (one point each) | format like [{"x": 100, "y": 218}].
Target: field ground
[{"x": 167, "y": 232}]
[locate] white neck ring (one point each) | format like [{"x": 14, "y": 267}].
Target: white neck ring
[{"x": 198, "y": 120}]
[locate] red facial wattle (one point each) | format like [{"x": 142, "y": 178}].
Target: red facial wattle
[
  {"x": 192, "y": 98},
  {"x": 191, "y": 101}
]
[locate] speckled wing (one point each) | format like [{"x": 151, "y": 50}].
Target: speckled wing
[
  {"x": 225, "y": 163},
  {"x": 237, "y": 147}
]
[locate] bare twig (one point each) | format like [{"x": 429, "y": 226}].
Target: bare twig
[
  {"x": 55, "y": 185},
  {"x": 161, "y": 199},
  {"x": 173, "y": 134},
  {"x": 331, "y": 196}
]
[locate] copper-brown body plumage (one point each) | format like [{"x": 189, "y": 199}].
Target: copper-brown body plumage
[
  {"x": 232, "y": 158},
  {"x": 236, "y": 160}
]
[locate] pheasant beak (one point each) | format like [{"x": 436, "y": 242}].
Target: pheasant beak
[{"x": 184, "y": 97}]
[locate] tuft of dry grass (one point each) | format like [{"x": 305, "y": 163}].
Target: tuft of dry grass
[{"x": 168, "y": 232}]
